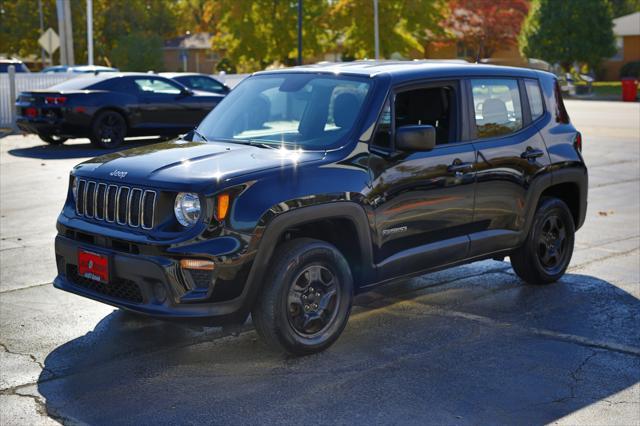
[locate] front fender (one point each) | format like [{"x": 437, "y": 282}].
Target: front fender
[{"x": 275, "y": 228}]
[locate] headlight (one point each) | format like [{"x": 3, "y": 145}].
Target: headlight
[
  {"x": 187, "y": 208},
  {"x": 74, "y": 187}
]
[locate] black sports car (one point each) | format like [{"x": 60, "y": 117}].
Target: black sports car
[{"x": 109, "y": 107}]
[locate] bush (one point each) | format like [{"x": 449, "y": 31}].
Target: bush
[{"x": 630, "y": 69}]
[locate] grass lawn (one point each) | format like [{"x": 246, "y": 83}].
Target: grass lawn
[{"x": 606, "y": 88}]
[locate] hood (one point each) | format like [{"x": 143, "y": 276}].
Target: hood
[{"x": 178, "y": 163}]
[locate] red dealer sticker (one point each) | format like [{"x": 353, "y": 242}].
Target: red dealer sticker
[{"x": 93, "y": 266}]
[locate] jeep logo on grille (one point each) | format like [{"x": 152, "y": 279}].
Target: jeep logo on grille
[{"x": 118, "y": 173}]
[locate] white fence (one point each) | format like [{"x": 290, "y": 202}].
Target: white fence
[
  {"x": 33, "y": 81},
  {"x": 24, "y": 83}
]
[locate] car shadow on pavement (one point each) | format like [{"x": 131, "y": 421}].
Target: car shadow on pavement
[
  {"x": 75, "y": 149},
  {"x": 475, "y": 349}
]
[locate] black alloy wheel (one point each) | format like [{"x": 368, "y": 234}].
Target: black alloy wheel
[
  {"x": 312, "y": 300},
  {"x": 545, "y": 255},
  {"x": 552, "y": 244},
  {"x": 108, "y": 130}
]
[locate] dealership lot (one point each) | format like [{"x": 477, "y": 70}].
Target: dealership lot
[{"x": 464, "y": 346}]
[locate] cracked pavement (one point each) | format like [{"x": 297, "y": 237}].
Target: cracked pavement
[{"x": 469, "y": 345}]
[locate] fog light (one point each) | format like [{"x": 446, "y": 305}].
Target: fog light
[
  {"x": 198, "y": 264},
  {"x": 159, "y": 292}
]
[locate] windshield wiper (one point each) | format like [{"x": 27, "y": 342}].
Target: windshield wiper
[
  {"x": 253, "y": 142},
  {"x": 203, "y": 137}
]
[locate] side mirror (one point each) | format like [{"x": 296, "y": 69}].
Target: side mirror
[
  {"x": 186, "y": 92},
  {"x": 416, "y": 138}
]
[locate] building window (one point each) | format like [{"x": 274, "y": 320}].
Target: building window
[{"x": 619, "y": 56}]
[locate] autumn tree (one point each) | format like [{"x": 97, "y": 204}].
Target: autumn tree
[
  {"x": 484, "y": 26},
  {"x": 255, "y": 34},
  {"x": 569, "y": 30}
]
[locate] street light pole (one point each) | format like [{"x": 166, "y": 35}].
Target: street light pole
[
  {"x": 90, "y": 32},
  {"x": 375, "y": 29},
  {"x": 299, "y": 32}
]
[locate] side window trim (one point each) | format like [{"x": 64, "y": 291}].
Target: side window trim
[
  {"x": 524, "y": 102},
  {"x": 542, "y": 102},
  {"x": 390, "y": 99}
]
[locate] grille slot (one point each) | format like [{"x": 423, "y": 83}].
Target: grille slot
[
  {"x": 148, "y": 207},
  {"x": 133, "y": 207},
  {"x": 82, "y": 184},
  {"x": 122, "y": 205},
  {"x": 112, "y": 192},
  {"x": 135, "y": 198},
  {"x": 100, "y": 194},
  {"x": 89, "y": 202}
]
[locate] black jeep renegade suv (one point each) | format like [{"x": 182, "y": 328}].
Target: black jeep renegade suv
[{"x": 306, "y": 186}]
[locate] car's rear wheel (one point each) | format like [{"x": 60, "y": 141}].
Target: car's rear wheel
[
  {"x": 306, "y": 299},
  {"x": 108, "y": 129},
  {"x": 545, "y": 255},
  {"x": 52, "y": 139}
]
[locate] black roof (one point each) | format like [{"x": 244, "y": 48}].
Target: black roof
[{"x": 410, "y": 70}]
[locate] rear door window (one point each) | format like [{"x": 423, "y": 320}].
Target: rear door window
[{"x": 498, "y": 110}]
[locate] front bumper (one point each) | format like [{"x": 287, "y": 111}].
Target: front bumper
[{"x": 149, "y": 285}]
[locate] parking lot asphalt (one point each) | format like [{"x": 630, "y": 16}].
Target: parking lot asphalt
[{"x": 470, "y": 345}]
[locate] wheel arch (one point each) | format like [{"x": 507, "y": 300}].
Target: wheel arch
[
  {"x": 569, "y": 183},
  {"x": 113, "y": 108},
  {"x": 321, "y": 222}
]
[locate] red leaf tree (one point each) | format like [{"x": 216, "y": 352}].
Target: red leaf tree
[{"x": 483, "y": 26}]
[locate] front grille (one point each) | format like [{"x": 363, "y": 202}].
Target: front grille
[
  {"x": 133, "y": 207},
  {"x": 118, "y": 288}
]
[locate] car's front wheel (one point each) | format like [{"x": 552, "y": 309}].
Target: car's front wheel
[
  {"x": 547, "y": 251},
  {"x": 52, "y": 139},
  {"x": 305, "y": 302},
  {"x": 108, "y": 129}
]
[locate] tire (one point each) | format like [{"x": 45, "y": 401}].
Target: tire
[
  {"x": 289, "y": 313},
  {"x": 108, "y": 130},
  {"x": 546, "y": 253},
  {"x": 52, "y": 139}
]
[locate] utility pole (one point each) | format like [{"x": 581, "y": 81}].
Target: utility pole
[
  {"x": 69, "y": 34},
  {"x": 61, "y": 32},
  {"x": 63, "y": 7},
  {"x": 376, "y": 33},
  {"x": 41, "y": 30},
  {"x": 299, "y": 32},
  {"x": 90, "y": 32}
]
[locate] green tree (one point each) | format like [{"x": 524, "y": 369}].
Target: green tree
[
  {"x": 138, "y": 52},
  {"x": 406, "y": 26},
  {"x": 114, "y": 20},
  {"x": 567, "y": 31},
  {"x": 253, "y": 34},
  {"x": 624, "y": 7}
]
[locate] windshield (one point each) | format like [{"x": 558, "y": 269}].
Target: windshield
[{"x": 309, "y": 111}]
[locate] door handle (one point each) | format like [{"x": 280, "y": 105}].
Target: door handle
[
  {"x": 531, "y": 153},
  {"x": 458, "y": 166}
]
